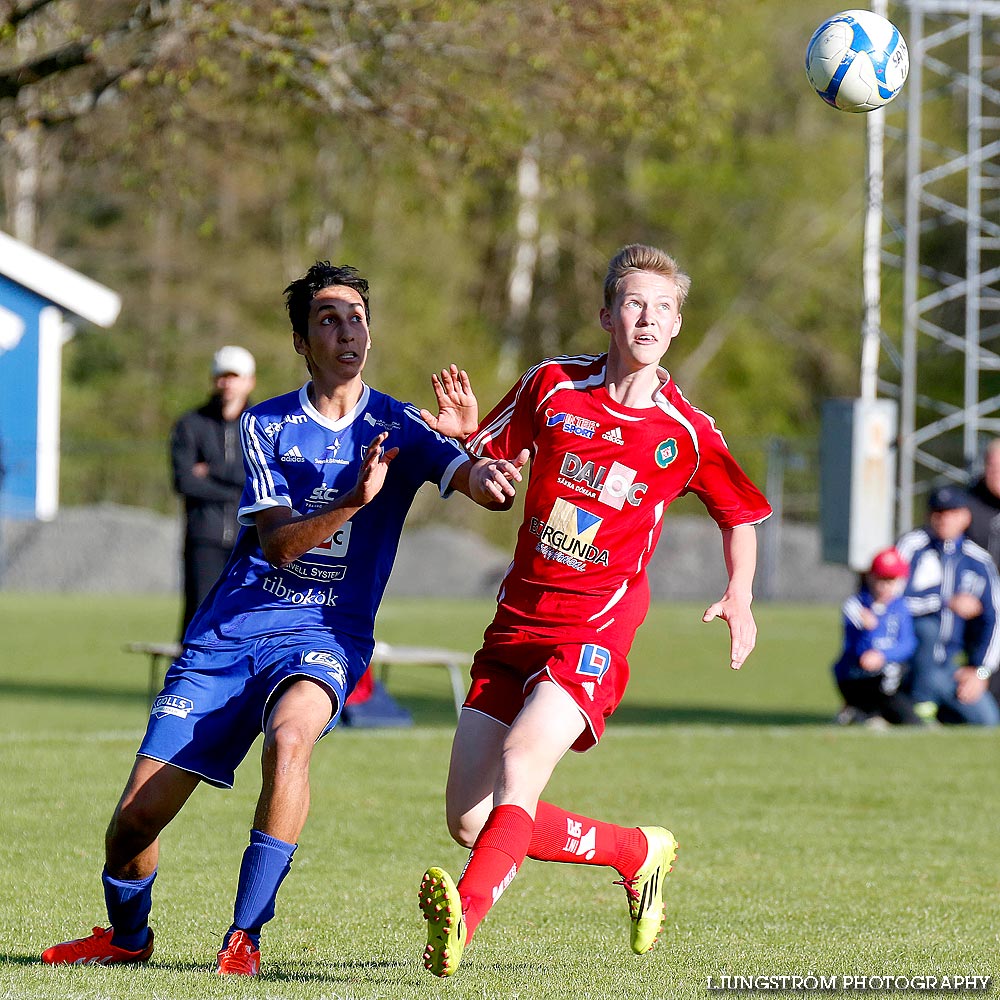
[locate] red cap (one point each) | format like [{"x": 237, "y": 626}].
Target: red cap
[{"x": 889, "y": 565}]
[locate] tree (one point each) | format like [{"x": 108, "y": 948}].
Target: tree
[{"x": 197, "y": 155}]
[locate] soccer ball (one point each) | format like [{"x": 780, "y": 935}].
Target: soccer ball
[{"x": 857, "y": 61}]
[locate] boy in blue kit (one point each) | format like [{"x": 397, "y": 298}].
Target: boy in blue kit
[
  {"x": 878, "y": 643},
  {"x": 287, "y": 630}
]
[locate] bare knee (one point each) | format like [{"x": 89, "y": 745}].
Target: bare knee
[
  {"x": 289, "y": 745},
  {"x": 465, "y": 828},
  {"x": 301, "y": 710}
]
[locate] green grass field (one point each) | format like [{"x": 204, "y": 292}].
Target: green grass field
[{"x": 805, "y": 849}]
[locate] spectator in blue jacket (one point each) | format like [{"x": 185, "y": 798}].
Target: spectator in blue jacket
[
  {"x": 952, "y": 580},
  {"x": 878, "y": 643}
]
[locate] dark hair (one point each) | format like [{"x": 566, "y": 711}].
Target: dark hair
[{"x": 322, "y": 274}]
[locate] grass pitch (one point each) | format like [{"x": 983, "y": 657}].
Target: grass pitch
[{"x": 805, "y": 849}]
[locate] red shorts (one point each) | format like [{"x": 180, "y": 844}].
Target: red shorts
[{"x": 511, "y": 662}]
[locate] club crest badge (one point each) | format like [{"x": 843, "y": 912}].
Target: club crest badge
[{"x": 666, "y": 452}]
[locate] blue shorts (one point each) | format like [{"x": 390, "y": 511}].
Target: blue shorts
[{"x": 216, "y": 697}]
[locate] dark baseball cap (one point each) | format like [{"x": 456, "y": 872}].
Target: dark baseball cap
[{"x": 947, "y": 497}]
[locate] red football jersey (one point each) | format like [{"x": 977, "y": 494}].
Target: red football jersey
[{"x": 601, "y": 478}]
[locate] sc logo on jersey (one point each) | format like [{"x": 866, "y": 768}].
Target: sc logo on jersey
[
  {"x": 323, "y": 494},
  {"x": 594, "y": 662},
  {"x": 336, "y": 544}
]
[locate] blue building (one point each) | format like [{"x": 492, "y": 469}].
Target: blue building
[{"x": 41, "y": 303}]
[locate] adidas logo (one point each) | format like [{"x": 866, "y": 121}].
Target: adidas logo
[
  {"x": 614, "y": 436},
  {"x": 293, "y": 455},
  {"x": 649, "y": 891}
]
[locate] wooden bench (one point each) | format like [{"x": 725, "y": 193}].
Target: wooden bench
[
  {"x": 156, "y": 651},
  {"x": 384, "y": 657}
]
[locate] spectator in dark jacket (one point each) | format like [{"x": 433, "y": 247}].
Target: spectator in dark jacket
[
  {"x": 984, "y": 503},
  {"x": 984, "y": 530},
  {"x": 952, "y": 581},
  {"x": 208, "y": 473}
]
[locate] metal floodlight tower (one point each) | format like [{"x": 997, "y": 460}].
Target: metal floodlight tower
[{"x": 946, "y": 243}]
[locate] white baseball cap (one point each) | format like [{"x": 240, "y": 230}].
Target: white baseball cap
[{"x": 233, "y": 361}]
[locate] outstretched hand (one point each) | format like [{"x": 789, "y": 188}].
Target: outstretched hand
[
  {"x": 736, "y": 613},
  {"x": 492, "y": 480},
  {"x": 371, "y": 475},
  {"x": 458, "y": 408}
]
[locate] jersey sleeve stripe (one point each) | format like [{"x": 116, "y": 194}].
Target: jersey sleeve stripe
[
  {"x": 585, "y": 383},
  {"x": 445, "y": 485},
  {"x": 261, "y": 480},
  {"x": 924, "y": 605},
  {"x": 908, "y": 545},
  {"x": 991, "y": 657},
  {"x": 852, "y": 611},
  {"x": 477, "y": 443}
]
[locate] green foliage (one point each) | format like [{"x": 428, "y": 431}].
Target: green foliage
[
  {"x": 236, "y": 142},
  {"x": 805, "y": 849}
]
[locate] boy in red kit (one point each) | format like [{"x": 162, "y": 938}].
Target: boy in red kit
[{"x": 612, "y": 443}]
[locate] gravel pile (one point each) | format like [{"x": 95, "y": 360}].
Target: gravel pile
[{"x": 115, "y": 549}]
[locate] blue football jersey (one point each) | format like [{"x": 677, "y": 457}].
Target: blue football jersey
[{"x": 295, "y": 457}]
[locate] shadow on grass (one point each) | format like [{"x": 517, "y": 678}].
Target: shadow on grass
[
  {"x": 72, "y": 692},
  {"x": 715, "y": 715},
  {"x": 434, "y": 711},
  {"x": 320, "y": 972}
]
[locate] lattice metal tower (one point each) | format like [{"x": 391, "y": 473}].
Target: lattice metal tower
[{"x": 939, "y": 237}]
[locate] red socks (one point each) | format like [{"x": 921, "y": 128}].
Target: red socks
[
  {"x": 497, "y": 854},
  {"x": 577, "y": 840},
  {"x": 510, "y": 835}
]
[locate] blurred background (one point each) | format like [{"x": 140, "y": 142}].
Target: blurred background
[{"x": 479, "y": 162}]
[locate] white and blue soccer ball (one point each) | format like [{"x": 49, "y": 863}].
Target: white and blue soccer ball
[{"x": 857, "y": 61}]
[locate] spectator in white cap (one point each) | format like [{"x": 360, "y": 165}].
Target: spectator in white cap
[{"x": 208, "y": 473}]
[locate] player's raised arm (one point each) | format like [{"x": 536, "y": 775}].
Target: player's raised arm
[
  {"x": 739, "y": 547},
  {"x": 458, "y": 408}
]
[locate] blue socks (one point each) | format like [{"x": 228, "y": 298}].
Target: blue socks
[
  {"x": 128, "y": 904},
  {"x": 266, "y": 862}
]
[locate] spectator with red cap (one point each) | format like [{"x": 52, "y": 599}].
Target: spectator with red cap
[{"x": 878, "y": 642}]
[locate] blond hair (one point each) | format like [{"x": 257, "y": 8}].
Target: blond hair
[{"x": 639, "y": 257}]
